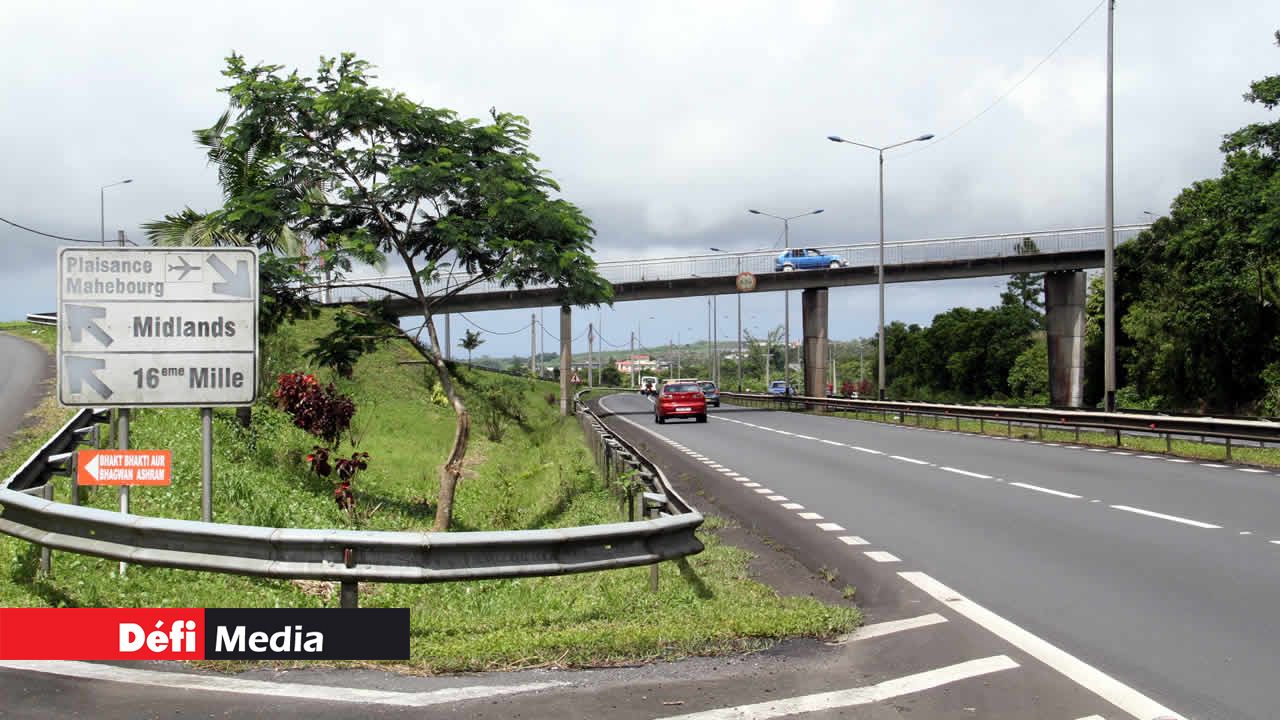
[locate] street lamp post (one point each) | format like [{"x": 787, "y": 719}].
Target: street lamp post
[
  {"x": 102, "y": 208},
  {"x": 739, "y": 294},
  {"x": 786, "y": 294},
  {"x": 880, "y": 265}
]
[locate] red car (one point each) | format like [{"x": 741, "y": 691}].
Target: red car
[{"x": 680, "y": 399}]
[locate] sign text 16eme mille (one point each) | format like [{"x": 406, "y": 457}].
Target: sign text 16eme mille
[{"x": 157, "y": 326}]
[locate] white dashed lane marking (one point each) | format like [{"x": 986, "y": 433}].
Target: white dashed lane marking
[
  {"x": 1048, "y": 491},
  {"x": 910, "y": 460},
  {"x": 778, "y": 498},
  {"x": 881, "y": 556},
  {"x": 958, "y": 471},
  {"x": 810, "y": 516},
  {"x": 1171, "y": 518},
  {"x": 793, "y": 506},
  {"x": 853, "y": 540},
  {"x": 764, "y": 491},
  {"x": 830, "y": 527}
]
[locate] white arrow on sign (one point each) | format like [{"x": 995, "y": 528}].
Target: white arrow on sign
[{"x": 91, "y": 467}]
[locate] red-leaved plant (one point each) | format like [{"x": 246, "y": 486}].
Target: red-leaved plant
[{"x": 325, "y": 413}]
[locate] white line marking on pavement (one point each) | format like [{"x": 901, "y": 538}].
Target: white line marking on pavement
[
  {"x": 1246, "y": 532},
  {"x": 1097, "y": 450},
  {"x": 782, "y": 432},
  {"x": 1050, "y": 491},
  {"x": 778, "y": 498},
  {"x": 727, "y": 471},
  {"x": 833, "y": 442},
  {"x": 1087, "y": 676},
  {"x": 805, "y": 437},
  {"x": 1251, "y": 470},
  {"x": 1095, "y": 501},
  {"x": 853, "y": 540},
  {"x": 221, "y": 683},
  {"x": 764, "y": 491},
  {"x": 1177, "y": 460},
  {"x": 882, "y": 556},
  {"x": 1092, "y": 717},
  {"x": 1052, "y": 445},
  {"x": 1212, "y": 465},
  {"x": 1120, "y": 452},
  {"x": 866, "y": 695},
  {"x": 866, "y": 632},
  {"x": 910, "y": 460},
  {"x": 810, "y": 516},
  {"x": 751, "y": 484},
  {"x": 1171, "y": 518},
  {"x": 865, "y": 450},
  {"x": 830, "y": 527},
  {"x": 793, "y": 506},
  {"x": 1274, "y": 542},
  {"x": 958, "y": 471},
  {"x": 743, "y": 479},
  {"x": 1149, "y": 457}
]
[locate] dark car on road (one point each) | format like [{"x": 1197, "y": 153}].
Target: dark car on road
[
  {"x": 711, "y": 392},
  {"x": 680, "y": 400}
]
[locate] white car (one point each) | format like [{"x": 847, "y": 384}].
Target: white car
[{"x": 648, "y": 385}]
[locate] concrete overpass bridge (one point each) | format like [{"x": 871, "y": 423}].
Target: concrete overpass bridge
[{"x": 1063, "y": 255}]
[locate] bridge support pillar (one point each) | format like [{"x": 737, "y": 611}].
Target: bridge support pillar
[
  {"x": 813, "y": 302},
  {"x": 566, "y": 360},
  {"x": 1064, "y": 295}
]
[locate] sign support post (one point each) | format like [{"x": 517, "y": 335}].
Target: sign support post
[
  {"x": 206, "y": 464},
  {"x": 122, "y": 434}
]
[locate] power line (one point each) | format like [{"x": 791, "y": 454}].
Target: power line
[
  {"x": 494, "y": 332},
  {"x": 48, "y": 235},
  {"x": 1015, "y": 86}
]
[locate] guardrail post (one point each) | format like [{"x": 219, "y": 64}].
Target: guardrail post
[
  {"x": 982, "y": 426},
  {"x": 957, "y": 423},
  {"x": 1077, "y": 434},
  {"x": 349, "y": 594},
  {"x": 1010, "y": 428},
  {"x": 1228, "y": 448},
  {"x": 45, "y": 568},
  {"x": 1117, "y": 437},
  {"x": 1168, "y": 442},
  {"x": 1040, "y": 431},
  {"x": 653, "y": 569}
]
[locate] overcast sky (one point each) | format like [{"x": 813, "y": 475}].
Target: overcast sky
[{"x": 663, "y": 121}]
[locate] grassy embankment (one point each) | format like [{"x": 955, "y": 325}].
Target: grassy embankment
[
  {"x": 538, "y": 475},
  {"x": 1240, "y": 453}
]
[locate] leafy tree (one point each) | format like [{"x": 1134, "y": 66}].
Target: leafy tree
[
  {"x": 1029, "y": 376},
  {"x": 470, "y": 341},
  {"x": 369, "y": 173},
  {"x": 1025, "y": 289},
  {"x": 1198, "y": 299}
]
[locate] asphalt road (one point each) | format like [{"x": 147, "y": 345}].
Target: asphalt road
[
  {"x": 24, "y": 366},
  {"x": 1163, "y": 573}
]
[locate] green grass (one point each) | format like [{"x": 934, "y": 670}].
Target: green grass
[
  {"x": 539, "y": 475},
  {"x": 1246, "y": 454}
]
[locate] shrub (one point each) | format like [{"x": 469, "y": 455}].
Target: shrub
[{"x": 321, "y": 411}]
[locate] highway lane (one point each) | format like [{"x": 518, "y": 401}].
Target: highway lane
[
  {"x": 1175, "y": 602},
  {"x": 24, "y": 366}
]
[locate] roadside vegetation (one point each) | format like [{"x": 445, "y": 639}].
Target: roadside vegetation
[
  {"x": 46, "y": 417},
  {"x": 527, "y": 468}
]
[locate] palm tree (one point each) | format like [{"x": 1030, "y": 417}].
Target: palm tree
[{"x": 470, "y": 341}]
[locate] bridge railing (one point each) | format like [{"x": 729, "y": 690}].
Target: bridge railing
[{"x": 973, "y": 247}]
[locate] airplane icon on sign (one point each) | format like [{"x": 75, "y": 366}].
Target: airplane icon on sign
[{"x": 184, "y": 268}]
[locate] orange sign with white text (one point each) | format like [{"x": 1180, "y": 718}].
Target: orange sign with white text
[{"x": 123, "y": 467}]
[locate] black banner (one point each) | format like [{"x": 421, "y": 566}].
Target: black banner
[{"x": 306, "y": 634}]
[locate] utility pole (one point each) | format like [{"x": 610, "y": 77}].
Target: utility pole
[
  {"x": 591, "y": 357},
  {"x": 533, "y": 340},
  {"x": 835, "y": 389},
  {"x": 1109, "y": 299},
  {"x": 121, "y": 240},
  {"x": 631, "y": 364},
  {"x": 715, "y": 341},
  {"x": 710, "y": 350},
  {"x": 542, "y": 342}
]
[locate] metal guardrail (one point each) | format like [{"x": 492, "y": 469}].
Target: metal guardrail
[
  {"x": 345, "y": 556},
  {"x": 1226, "y": 429},
  {"x": 969, "y": 247},
  {"x": 48, "y": 318}
]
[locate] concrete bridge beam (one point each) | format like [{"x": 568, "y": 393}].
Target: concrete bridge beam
[
  {"x": 1064, "y": 296},
  {"x": 813, "y": 302}
]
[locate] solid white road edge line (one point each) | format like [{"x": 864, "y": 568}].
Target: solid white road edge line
[
  {"x": 886, "y": 690},
  {"x": 220, "y": 683},
  {"x": 1171, "y": 518},
  {"x": 1050, "y": 491},
  {"x": 1085, "y": 675}
]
